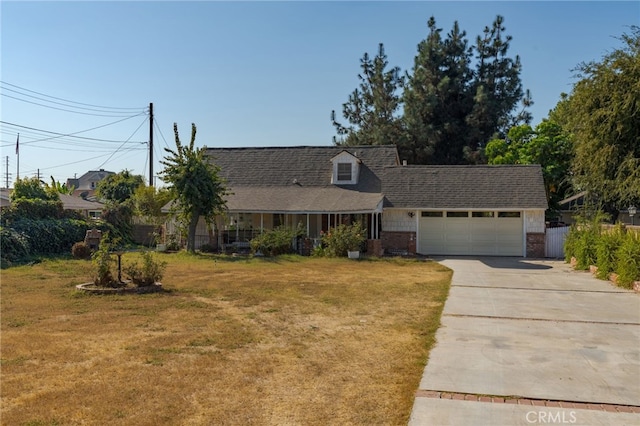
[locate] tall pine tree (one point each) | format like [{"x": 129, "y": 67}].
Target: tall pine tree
[
  {"x": 450, "y": 109},
  {"x": 372, "y": 110},
  {"x": 497, "y": 88},
  {"x": 436, "y": 98}
]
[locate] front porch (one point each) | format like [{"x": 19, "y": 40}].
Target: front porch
[{"x": 237, "y": 229}]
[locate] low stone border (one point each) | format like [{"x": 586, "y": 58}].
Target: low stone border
[
  {"x": 92, "y": 289},
  {"x": 518, "y": 400},
  {"x": 613, "y": 277}
]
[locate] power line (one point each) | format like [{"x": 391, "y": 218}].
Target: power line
[
  {"x": 68, "y": 164},
  {"x": 155, "y": 122},
  {"x": 115, "y": 114},
  {"x": 62, "y": 104},
  {"x": 66, "y": 100},
  {"x": 59, "y": 135},
  {"x": 120, "y": 147}
]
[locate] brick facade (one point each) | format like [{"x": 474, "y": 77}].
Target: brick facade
[
  {"x": 535, "y": 244},
  {"x": 374, "y": 248},
  {"x": 404, "y": 242}
]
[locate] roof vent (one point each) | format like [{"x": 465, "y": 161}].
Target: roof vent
[{"x": 404, "y": 162}]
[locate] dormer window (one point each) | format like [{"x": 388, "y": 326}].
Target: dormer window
[
  {"x": 346, "y": 168},
  {"x": 344, "y": 171}
]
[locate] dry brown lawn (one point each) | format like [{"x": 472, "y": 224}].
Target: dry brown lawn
[{"x": 235, "y": 341}]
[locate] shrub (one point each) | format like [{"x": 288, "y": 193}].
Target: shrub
[
  {"x": 81, "y": 250},
  {"x": 51, "y": 236},
  {"x": 570, "y": 243},
  {"x": 104, "y": 265},
  {"x": 14, "y": 245},
  {"x": 628, "y": 260},
  {"x": 342, "y": 239},
  {"x": 173, "y": 244},
  {"x": 582, "y": 239},
  {"x": 150, "y": 272},
  {"x": 119, "y": 216},
  {"x": 207, "y": 248},
  {"x": 27, "y": 208},
  {"x": 277, "y": 241},
  {"x": 606, "y": 248}
]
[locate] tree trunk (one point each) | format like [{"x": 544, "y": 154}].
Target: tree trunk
[{"x": 191, "y": 235}]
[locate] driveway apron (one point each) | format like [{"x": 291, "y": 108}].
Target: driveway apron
[{"x": 527, "y": 342}]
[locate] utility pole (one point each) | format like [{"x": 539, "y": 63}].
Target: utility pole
[
  {"x": 6, "y": 173},
  {"x": 151, "y": 144},
  {"x": 18, "y": 157}
]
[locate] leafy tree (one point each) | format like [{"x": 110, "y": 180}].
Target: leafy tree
[
  {"x": 119, "y": 187},
  {"x": 548, "y": 145},
  {"x": 372, "y": 110},
  {"x": 602, "y": 113},
  {"x": 194, "y": 181},
  {"x": 117, "y": 190},
  {"x": 33, "y": 189},
  {"x": 149, "y": 200}
]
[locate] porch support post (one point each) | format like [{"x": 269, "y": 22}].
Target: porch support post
[
  {"x": 308, "y": 233},
  {"x": 261, "y": 223},
  {"x": 237, "y": 226},
  {"x": 373, "y": 235}
]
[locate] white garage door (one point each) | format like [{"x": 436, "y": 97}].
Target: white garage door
[{"x": 471, "y": 233}]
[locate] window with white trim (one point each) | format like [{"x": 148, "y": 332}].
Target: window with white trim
[{"x": 344, "y": 171}]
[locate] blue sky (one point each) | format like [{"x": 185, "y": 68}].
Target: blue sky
[{"x": 246, "y": 73}]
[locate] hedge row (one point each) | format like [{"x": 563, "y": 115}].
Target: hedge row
[
  {"x": 611, "y": 250},
  {"x": 25, "y": 238}
]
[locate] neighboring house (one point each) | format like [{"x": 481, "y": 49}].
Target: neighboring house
[
  {"x": 92, "y": 209},
  {"x": 430, "y": 210},
  {"x": 85, "y": 186},
  {"x": 570, "y": 206},
  {"x": 5, "y": 198},
  {"x": 86, "y": 208}
]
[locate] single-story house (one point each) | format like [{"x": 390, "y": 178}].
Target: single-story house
[
  {"x": 90, "y": 209},
  {"x": 430, "y": 210}
]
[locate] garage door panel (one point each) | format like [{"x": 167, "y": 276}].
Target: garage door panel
[{"x": 493, "y": 236}]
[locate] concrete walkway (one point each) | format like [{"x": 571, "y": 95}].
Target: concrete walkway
[{"x": 527, "y": 342}]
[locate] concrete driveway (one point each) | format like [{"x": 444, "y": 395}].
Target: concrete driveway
[{"x": 527, "y": 342}]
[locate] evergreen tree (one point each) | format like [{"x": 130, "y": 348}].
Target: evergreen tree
[
  {"x": 436, "y": 98},
  {"x": 449, "y": 109},
  {"x": 371, "y": 111},
  {"x": 497, "y": 88}
]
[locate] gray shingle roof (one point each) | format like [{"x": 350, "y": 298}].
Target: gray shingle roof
[
  {"x": 298, "y": 179},
  {"x": 312, "y": 199},
  {"x": 308, "y": 165},
  {"x": 76, "y": 203},
  {"x": 472, "y": 187}
]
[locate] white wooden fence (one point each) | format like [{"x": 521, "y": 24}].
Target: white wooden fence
[{"x": 554, "y": 242}]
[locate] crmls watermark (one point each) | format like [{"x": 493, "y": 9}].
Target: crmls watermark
[{"x": 551, "y": 417}]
